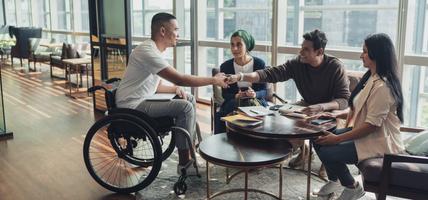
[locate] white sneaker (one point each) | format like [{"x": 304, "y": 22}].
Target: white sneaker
[
  {"x": 352, "y": 193},
  {"x": 329, "y": 188},
  {"x": 188, "y": 167}
]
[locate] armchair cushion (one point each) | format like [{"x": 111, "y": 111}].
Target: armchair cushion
[
  {"x": 409, "y": 175},
  {"x": 418, "y": 144}
]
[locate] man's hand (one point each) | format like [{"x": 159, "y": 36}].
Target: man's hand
[
  {"x": 221, "y": 80},
  {"x": 328, "y": 139},
  {"x": 313, "y": 109},
  {"x": 181, "y": 93},
  {"x": 233, "y": 78}
]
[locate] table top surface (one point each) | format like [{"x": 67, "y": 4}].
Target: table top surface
[
  {"x": 280, "y": 127},
  {"x": 232, "y": 150},
  {"x": 51, "y": 45},
  {"x": 77, "y": 61}
]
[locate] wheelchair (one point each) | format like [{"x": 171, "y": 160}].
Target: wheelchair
[{"x": 124, "y": 150}]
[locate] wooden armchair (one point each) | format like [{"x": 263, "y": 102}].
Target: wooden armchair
[
  {"x": 404, "y": 176},
  {"x": 40, "y": 53},
  {"x": 68, "y": 51},
  {"x": 21, "y": 48}
]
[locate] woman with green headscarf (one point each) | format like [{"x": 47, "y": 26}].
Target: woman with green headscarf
[{"x": 241, "y": 44}]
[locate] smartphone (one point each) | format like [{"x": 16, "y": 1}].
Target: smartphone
[
  {"x": 243, "y": 89},
  {"x": 275, "y": 107},
  {"x": 321, "y": 121}
]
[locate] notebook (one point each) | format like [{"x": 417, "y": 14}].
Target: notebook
[
  {"x": 160, "y": 97},
  {"x": 242, "y": 120},
  {"x": 255, "y": 111}
]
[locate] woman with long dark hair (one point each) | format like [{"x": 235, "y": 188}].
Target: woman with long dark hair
[{"x": 373, "y": 123}]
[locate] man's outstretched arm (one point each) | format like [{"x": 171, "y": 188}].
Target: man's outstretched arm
[{"x": 170, "y": 74}]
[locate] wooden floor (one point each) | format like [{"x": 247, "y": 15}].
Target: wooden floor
[{"x": 44, "y": 160}]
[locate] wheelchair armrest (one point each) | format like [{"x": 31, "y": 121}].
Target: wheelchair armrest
[
  {"x": 112, "y": 80},
  {"x": 95, "y": 88}
]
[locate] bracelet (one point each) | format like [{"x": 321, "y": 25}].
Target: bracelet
[
  {"x": 241, "y": 78},
  {"x": 321, "y": 107}
]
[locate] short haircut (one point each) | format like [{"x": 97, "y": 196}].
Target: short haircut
[
  {"x": 317, "y": 37},
  {"x": 159, "y": 20},
  {"x": 246, "y": 37}
]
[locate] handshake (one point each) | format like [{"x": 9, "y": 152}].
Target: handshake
[{"x": 224, "y": 80}]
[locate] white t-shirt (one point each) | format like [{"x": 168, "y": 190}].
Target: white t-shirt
[
  {"x": 140, "y": 79},
  {"x": 247, "y": 68}
]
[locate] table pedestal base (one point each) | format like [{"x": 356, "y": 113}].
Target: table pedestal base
[{"x": 245, "y": 189}]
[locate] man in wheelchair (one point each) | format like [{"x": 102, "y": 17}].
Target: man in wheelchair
[{"x": 142, "y": 79}]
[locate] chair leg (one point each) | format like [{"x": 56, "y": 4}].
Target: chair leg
[
  {"x": 381, "y": 195},
  {"x": 20, "y": 61}
]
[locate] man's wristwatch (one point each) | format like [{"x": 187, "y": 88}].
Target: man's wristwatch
[{"x": 241, "y": 76}]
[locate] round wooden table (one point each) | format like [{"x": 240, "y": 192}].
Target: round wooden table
[
  {"x": 234, "y": 151},
  {"x": 276, "y": 127}
]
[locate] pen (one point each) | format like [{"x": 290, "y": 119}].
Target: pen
[{"x": 253, "y": 111}]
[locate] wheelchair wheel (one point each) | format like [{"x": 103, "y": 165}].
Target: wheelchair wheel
[
  {"x": 168, "y": 145},
  {"x": 167, "y": 139},
  {"x": 108, "y": 151}
]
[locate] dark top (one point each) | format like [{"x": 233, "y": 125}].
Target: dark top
[
  {"x": 259, "y": 88},
  {"x": 241, "y": 152},
  {"x": 323, "y": 84}
]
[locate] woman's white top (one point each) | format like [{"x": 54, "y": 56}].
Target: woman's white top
[{"x": 247, "y": 68}]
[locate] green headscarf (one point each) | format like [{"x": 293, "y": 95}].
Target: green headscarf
[{"x": 246, "y": 37}]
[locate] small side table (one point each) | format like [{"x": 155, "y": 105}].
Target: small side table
[
  {"x": 235, "y": 151},
  {"x": 77, "y": 62}
]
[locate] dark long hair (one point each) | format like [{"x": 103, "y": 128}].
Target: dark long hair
[{"x": 381, "y": 49}]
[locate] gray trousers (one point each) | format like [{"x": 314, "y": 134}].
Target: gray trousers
[{"x": 183, "y": 111}]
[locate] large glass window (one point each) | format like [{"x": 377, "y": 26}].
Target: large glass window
[
  {"x": 81, "y": 15},
  {"x": 415, "y": 89},
  {"x": 61, "y": 19},
  {"x": 415, "y": 78},
  {"x": 345, "y": 23},
  {"x": 10, "y": 12},
  {"x": 417, "y": 33},
  {"x": 41, "y": 12},
  {"x": 226, "y": 16},
  {"x": 24, "y": 17},
  {"x": 142, "y": 13}
]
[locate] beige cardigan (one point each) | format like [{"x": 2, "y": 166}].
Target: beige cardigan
[{"x": 376, "y": 105}]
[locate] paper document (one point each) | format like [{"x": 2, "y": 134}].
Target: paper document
[
  {"x": 290, "y": 108},
  {"x": 160, "y": 97},
  {"x": 292, "y": 111},
  {"x": 242, "y": 120},
  {"x": 255, "y": 111}
]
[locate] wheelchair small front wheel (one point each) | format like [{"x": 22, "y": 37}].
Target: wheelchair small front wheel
[{"x": 180, "y": 187}]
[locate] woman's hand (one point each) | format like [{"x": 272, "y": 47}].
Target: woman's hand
[
  {"x": 180, "y": 93},
  {"x": 328, "y": 139},
  {"x": 250, "y": 93},
  {"x": 239, "y": 94}
]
